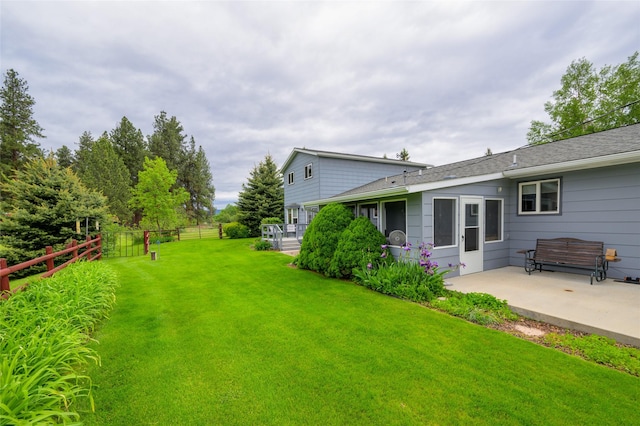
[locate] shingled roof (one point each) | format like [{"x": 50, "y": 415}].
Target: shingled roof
[{"x": 611, "y": 147}]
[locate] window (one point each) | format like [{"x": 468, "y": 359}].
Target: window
[
  {"x": 539, "y": 197},
  {"x": 292, "y": 216},
  {"x": 395, "y": 217},
  {"x": 290, "y": 178},
  {"x": 444, "y": 222},
  {"x": 493, "y": 219},
  {"x": 308, "y": 172}
]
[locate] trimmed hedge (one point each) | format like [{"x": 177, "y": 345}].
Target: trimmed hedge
[{"x": 321, "y": 237}]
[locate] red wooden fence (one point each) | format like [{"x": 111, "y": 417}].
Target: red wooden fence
[{"x": 93, "y": 251}]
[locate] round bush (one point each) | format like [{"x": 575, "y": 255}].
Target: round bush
[
  {"x": 359, "y": 245},
  {"x": 236, "y": 230},
  {"x": 321, "y": 237}
]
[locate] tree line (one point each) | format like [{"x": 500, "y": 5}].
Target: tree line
[
  {"x": 110, "y": 163},
  {"x": 122, "y": 177}
]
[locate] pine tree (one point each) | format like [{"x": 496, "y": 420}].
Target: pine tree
[
  {"x": 18, "y": 128},
  {"x": 195, "y": 177},
  {"x": 129, "y": 144},
  {"x": 48, "y": 200},
  {"x": 167, "y": 140},
  {"x": 262, "y": 196},
  {"x": 104, "y": 171},
  {"x": 64, "y": 156}
]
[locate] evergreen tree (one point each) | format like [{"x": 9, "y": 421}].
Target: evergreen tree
[
  {"x": 591, "y": 101},
  {"x": 81, "y": 157},
  {"x": 18, "y": 128},
  {"x": 195, "y": 177},
  {"x": 129, "y": 144},
  {"x": 47, "y": 202},
  {"x": 64, "y": 157},
  {"x": 157, "y": 195},
  {"x": 105, "y": 172},
  {"x": 262, "y": 196},
  {"x": 403, "y": 155},
  {"x": 168, "y": 141}
]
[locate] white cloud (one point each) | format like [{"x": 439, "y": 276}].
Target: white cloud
[{"x": 446, "y": 80}]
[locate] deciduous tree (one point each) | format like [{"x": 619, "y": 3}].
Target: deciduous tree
[
  {"x": 157, "y": 195},
  {"x": 590, "y": 101}
]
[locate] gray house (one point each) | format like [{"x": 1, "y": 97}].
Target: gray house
[
  {"x": 310, "y": 174},
  {"x": 483, "y": 211}
]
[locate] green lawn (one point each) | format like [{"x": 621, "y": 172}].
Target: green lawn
[{"x": 215, "y": 333}]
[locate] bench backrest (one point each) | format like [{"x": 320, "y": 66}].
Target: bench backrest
[{"x": 571, "y": 251}]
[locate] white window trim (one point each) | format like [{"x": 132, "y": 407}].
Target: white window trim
[
  {"x": 292, "y": 214},
  {"x": 290, "y": 178},
  {"x": 455, "y": 218},
  {"x": 308, "y": 171},
  {"x": 538, "y": 183},
  {"x": 501, "y": 221}
]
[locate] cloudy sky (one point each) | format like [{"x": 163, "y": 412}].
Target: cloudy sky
[{"x": 445, "y": 80}]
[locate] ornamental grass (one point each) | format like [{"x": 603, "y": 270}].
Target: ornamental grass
[{"x": 44, "y": 332}]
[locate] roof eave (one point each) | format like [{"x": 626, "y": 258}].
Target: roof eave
[
  {"x": 448, "y": 183},
  {"x": 352, "y": 157},
  {"x": 380, "y": 193},
  {"x": 582, "y": 164}
]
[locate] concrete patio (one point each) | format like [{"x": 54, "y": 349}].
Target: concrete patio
[{"x": 567, "y": 300}]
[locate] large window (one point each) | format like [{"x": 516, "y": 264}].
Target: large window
[
  {"x": 444, "y": 222},
  {"x": 292, "y": 216},
  {"x": 539, "y": 197},
  {"x": 493, "y": 220},
  {"x": 308, "y": 171},
  {"x": 395, "y": 217}
]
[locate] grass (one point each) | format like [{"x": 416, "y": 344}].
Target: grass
[
  {"x": 43, "y": 336},
  {"x": 215, "y": 333}
]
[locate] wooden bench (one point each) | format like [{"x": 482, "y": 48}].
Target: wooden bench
[{"x": 568, "y": 252}]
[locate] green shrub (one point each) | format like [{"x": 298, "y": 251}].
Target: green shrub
[
  {"x": 359, "y": 244},
  {"x": 236, "y": 230},
  {"x": 419, "y": 280},
  {"x": 598, "y": 349},
  {"x": 262, "y": 245},
  {"x": 480, "y": 308},
  {"x": 321, "y": 237},
  {"x": 271, "y": 220}
]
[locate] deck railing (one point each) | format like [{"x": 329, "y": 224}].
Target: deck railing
[{"x": 272, "y": 232}]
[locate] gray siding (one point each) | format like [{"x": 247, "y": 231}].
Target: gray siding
[
  {"x": 598, "y": 205},
  {"x": 496, "y": 254},
  {"x": 302, "y": 189},
  {"x": 331, "y": 176},
  {"x": 338, "y": 176}
]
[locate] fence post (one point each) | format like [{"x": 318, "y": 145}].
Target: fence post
[
  {"x": 146, "y": 242},
  {"x": 4, "y": 281},
  {"x": 220, "y": 230},
  {"x": 74, "y": 243},
  {"x": 49, "y": 250},
  {"x": 99, "y": 245}
]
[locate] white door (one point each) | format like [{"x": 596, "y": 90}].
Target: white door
[{"x": 471, "y": 234}]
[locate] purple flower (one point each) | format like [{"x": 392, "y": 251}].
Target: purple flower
[
  {"x": 383, "y": 247},
  {"x": 369, "y": 266},
  {"x": 384, "y": 254}
]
